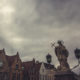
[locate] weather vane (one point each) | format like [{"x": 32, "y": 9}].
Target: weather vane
[{"x": 52, "y": 44}]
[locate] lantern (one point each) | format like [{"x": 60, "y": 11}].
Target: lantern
[
  {"x": 49, "y": 58},
  {"x": 77, "y": 54}
]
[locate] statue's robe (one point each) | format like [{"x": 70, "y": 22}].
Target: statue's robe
[{"x": 62, "y": 55}]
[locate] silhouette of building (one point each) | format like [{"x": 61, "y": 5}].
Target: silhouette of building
[
  {"x": 4, "y": 67},
  {"x": 12, "y": 68},
  {"x": 31, "y": 70},
  {"x": 47, "y": 72},
  {"x": 15, "y": 67}
]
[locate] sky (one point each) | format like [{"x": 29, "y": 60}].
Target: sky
[{"x": 30, "y": 26}]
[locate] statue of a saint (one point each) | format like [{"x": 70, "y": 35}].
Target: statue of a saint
[{"x": 62, "y": 55}]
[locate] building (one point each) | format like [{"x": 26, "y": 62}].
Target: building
[
  {"x": 4, "y": 67},
  {"x": 47, "y": 72},
  {"x": 34, "y": 70},
  {"x": 10, "y": 67},
  {"x": 15, "y": 67},
  {"x": 31, "y": 71}
]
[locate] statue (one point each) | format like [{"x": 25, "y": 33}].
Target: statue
[{"x": 62, "y": 55}]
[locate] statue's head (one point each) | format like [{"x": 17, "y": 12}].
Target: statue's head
[{"x": 60, "y": 42}]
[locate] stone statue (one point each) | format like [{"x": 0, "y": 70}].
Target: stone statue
[{"x": 62, "y": 55}]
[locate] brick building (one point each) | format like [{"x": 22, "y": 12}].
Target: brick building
[
  {"x": 10, "y": 67},
  {"x": 15, "y": 67},
  {"x": 4, "y": 67},
  {"x": 31, "y": 70}
]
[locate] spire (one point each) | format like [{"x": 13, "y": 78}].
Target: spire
[
  {"x": 17, "y": 56},
  {"x": 17, "y": 53}
]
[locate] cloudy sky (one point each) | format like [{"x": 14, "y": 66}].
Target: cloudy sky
[{"x": 29, "y": 26}]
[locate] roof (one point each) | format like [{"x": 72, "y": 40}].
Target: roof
[
  {"x": 49, "y": 66},
  {"x": 77, "y": 70},
  {"x": 2, "y": 51}
]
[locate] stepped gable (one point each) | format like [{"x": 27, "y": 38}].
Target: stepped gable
[
  {"x": 11, "y": 59},
  {"x": 31, "y": 64}
]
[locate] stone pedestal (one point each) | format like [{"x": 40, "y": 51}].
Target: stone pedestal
[{"x": 65, "y": 75}]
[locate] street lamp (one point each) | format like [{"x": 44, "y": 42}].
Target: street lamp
[
  {"x": 49, "y": 58},
  {"x": 77, "y": 54}
]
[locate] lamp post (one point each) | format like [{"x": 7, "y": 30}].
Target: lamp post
[
  {"x": 49, "y": 58},
  {"x": 77, "y": 54}
]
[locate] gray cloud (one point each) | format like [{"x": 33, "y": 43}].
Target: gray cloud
[
  {"x": 61, "y": 11},
  {"x": 29, "y": 26}
]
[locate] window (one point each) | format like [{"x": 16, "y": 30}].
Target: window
[{"x": 17, "y": 66}]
